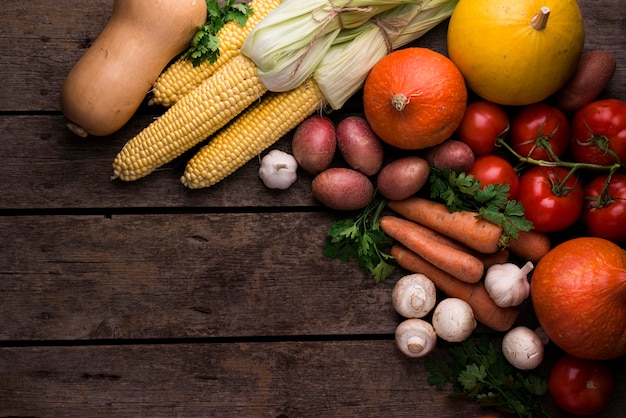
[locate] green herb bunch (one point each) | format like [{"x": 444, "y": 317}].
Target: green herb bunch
[
  {"x": 478, "y": 371},
  {"x": 362, "y": 239},
  {"x": 205, "y": 43},
  {"x": 463, "y": 192}
]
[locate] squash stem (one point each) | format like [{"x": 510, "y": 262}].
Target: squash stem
[
  {"x": 540, "y": 20},
  {"x": 399, "y": 101}
]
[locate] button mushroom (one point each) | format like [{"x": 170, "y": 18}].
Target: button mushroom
[
  {"x": 415, "y": 337},
  {"x": 278, "y": 170},
  {"x": 523, "y": 348},
  {"x": 414, "y": 296},
  {"x": 454, "y": 320}
]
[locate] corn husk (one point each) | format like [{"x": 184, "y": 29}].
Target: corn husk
[
  {"x": 344, "y": 68},
  {"x": 288, "y": 44}
]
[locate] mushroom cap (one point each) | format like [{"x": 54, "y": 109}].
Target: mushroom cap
[
  {"x": 523, "y": 348},
  {"x": 454, "y": 320},
  {"x": 415, "y": 337},
  {"x": 414, "y": 296}
]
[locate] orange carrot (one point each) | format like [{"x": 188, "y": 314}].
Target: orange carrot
[
  {"x": 458, "y": 263},
  {"x": 499, "y": 257},
  {"x": 484, "y": 308},
  {"x": 530, "y": 245},
  {"x": 476, "y": 233}
]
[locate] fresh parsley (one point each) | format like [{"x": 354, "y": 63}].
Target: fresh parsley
[
  {"x": 362, "y": 239},
  {"x": 205, "y": 43},
  {"x": 478, "y": 371},
  {"x": 463, "y": 192}
]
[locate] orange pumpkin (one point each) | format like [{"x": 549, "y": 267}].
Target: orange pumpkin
[
  {"x": 578, "y": 290},
  {"x": 414, "y": 98}
]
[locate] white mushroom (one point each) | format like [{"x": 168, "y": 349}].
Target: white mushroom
[
  {"x": 415, "y": 337},
  {"x": 523, "y": 348},
  {"x": 278, "y": 170},
  {"x": 454, "y": 320},
  {"x": 414, "y": 296}
]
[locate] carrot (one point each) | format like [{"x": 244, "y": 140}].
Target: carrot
[
  {"x": 499, "y": 257},
  {"x": 530, "y": 245},
  {"x": 458, "y": 263},
  {"x": 465, "y": 227},
  {"x": 484, "y": 308}
]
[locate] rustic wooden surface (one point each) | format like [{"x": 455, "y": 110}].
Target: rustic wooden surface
[{"x": 147, "y": 299}]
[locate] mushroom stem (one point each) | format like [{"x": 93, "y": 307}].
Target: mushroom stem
[
  {"x": 416, "y": 344},
  {"x": 417, "y": 299},
  {"x": 540, "y": 20}
]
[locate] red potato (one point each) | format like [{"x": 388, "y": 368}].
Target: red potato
[
  {"x": 359, "y": 145},
  {"x": 403, "y": 177},
  {"x": 452, "y": 154},
  {"x": 342, "y": 189},
  {"x": 314, "y": 144},
  {"x": 594, "y": 72}
]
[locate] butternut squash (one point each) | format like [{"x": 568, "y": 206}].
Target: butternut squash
[{"x": 109, "y": 82}]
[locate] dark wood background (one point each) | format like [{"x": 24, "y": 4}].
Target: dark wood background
[{"x": 148, "y": 299}]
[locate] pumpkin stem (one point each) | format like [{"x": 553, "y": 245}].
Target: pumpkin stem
[
  {"x": 399, "y": 101},
  {"x": 540, "y": 20}
]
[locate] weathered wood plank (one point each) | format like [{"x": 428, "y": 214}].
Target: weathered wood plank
[
  {"x": 47, "y": 167},
  {"x": 273, "y": 379},
  {"x": 181, "y": 275}
]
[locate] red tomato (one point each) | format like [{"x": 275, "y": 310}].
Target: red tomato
[
  {"x": 537, "y": 128},
  {"x": 492, "y": 169},
  {"x": 550, "y": 204},
  {"x": 580, "y": 387},
  {"x": 599, "y": 132},
  {"x": 482, "y": 123},
  {"x": 604, "y": 214}
]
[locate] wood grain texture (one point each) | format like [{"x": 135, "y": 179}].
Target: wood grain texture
[
  {"x": 181, "y": 275},
  {"x": 148, "y": 299},
  {"x": 266, "y": 379}
]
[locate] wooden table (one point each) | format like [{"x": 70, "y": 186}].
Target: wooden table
[{"x": 148, "y": 299}]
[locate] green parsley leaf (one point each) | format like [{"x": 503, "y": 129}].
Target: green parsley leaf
[
  {"x": 476, "y": 370},
  {"x": 361, "y": 239},
  {"x": 463, "y": 192},
  {"x": 205, "y": 43}
]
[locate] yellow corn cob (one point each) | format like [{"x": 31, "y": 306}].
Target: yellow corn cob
[
  {"x": 253, "y": 131},
  {"x": 191, "y": 120},
  {"x": 181, "y": 76}
]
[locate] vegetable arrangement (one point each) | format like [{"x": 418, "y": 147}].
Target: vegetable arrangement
[{"x": 468, "y": 198}]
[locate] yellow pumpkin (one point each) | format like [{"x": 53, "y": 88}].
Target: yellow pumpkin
[{"x": 516, "y": 52}]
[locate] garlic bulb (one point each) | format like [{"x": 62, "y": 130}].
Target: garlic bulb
[
  {"x": 507, "y": 284},
  {"x": 278, "y": 170}
]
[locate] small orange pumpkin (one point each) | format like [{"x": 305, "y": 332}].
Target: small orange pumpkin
[{"x": 414, "y": 98}]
